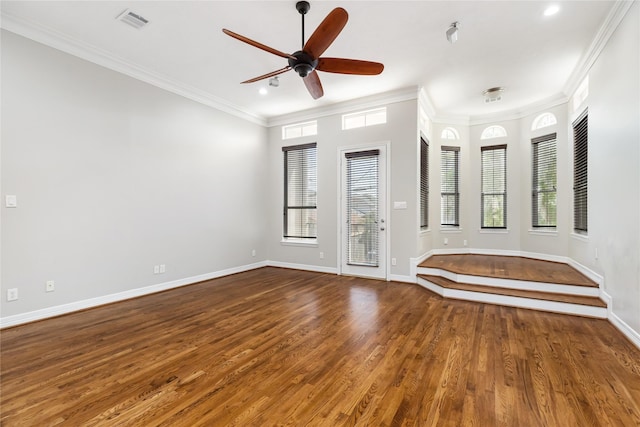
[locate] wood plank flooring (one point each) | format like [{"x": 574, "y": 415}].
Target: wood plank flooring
[
  {"x": 276, "y": 347},
  {"x": 509, "y": 267}
]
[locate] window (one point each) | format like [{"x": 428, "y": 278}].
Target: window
[
  {"x": 544, "y": 179},
  {"x": 580, "y": 156},
  {"x": 494, "y": 186},
  {"x": 493, "y": 132},
  {"x": 544, "y": 120},
  {"x": 449, "y": 133},
  {"x": 424, "y": 183},
  {"x": 300, "y": 129},
  {"x": 364, "y": 118},
  {"x": 300, "y": 191},
  {"x": 449, "y": 186}
]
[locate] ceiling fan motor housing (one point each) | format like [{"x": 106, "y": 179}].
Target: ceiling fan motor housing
[{"x": 303, "y": 64}]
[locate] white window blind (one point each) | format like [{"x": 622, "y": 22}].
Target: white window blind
[
  {"x": 449, "y": 186},
  {"x": 544, "y": 179},
  {"x": 580, "y": 157},
  {"x": 362, "y": 208},
  {"x": 300, "y": 191},
  {"x": 494, "y": 186},
  {"x": 424, "y": 183}
]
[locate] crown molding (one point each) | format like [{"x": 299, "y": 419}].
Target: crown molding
[
  {"x": 91, "y": 53},
  {"x": 610, "y": 24},
  {"x": 367, "y": 102}
]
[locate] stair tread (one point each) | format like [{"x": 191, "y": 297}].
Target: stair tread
[
  {"x": 509, "y": 267},
  {"x": 522, "y": 293}
]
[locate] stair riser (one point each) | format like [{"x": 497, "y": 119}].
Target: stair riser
[
  {"x": 534, "y": 304},
  {"x": 512, "y": 284}
]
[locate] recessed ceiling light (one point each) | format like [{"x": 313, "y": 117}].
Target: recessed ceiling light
[
  {"x": 493, "y": 94},
  {"x": 551, "y": 10},
  {"x": 263, "y": 91}
]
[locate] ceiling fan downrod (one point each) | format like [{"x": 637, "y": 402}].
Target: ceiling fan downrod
[{"x": 303, "y": 7}]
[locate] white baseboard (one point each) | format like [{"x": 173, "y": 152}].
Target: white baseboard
[
  {"x": 626, "y": 330},
  {"x": 58, "y": 310},
  {"x": 402, "y": 278},
  {"x": 306, "y": 267}
]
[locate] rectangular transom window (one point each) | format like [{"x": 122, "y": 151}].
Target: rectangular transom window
[
  {"x": 543, "y": 179},
  {"x": 299, "y": 130},
  {"x": 424, "y": 183},
  {"x": 494, "y": 186},
  {"x": 300, "y": 191},
  {"x": 364, "y": 118},
  {"x": 580, "y": 147},
  {"x": 449, "y": 186}
]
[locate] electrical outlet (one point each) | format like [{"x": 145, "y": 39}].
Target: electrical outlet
[
  {"x": 394, "y": 261},
  {"x": 446, "y": 240},
  {"x": 12, "y": 294},
  {"x": 156, "y": 269},
  {"x": 163, "y": 268},
  {"x": 50, "y": 286},
  {"x": 253, "y": 252},
  {"x": 321, "y": 255},
  {"x": 464, "y": 243}
]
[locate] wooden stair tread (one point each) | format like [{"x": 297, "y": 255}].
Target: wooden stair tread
[
  {"x": 539, "y": 295},
  {"x": 509, "y": 267}
]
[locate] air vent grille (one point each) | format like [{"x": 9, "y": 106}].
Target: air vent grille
[{"x": 133, "y": 19}]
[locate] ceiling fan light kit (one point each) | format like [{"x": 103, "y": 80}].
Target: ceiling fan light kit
[{"x": 308, "y": 60}]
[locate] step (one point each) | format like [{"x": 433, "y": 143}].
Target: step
[
  {"x": 508, "y": 268},
  {"x": 538, "y": 300}
]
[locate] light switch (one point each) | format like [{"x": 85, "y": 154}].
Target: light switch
[
  {"x": 399, "y": 205},
  {"x": 11, "y": 201}
]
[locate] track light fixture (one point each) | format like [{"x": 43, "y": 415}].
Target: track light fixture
[{"x": 452, "y": 32}]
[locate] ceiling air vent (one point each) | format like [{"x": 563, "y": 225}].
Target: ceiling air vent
[{"x": 133, "y": 19}]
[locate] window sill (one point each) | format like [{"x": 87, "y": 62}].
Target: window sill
[
  {"x": 494, "y": 231},
  {"x": 450, "y": 229},
  {"x": 305, "y": 243},
  {"x": 424, "y": 231},
  {"x": 581, "y": 237},
  {"x": 543, "y": 232}
]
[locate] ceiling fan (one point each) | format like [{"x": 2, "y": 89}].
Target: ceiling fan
[{"x": 308, "y": 60}]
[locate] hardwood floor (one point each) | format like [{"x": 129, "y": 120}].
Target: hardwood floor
[
  {"x": 509, "y": 267},
  {"x": 281, "y": 347}
]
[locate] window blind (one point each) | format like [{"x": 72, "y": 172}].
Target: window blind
[
  {"x": 424, "y": 183},
  {"x": 494, "y": 186},
  {"x": 544, "y": 179},
  {"x": 300, "y": 191},
  {"x": 580, "y": 182},
  {"x": 362, "y": 208},
  {"x": 449, "y": 186}
]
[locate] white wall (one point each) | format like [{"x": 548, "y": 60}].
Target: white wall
[
  {"x": 401, "y": 133},
  {"x": 614, "y": 171},
  {"x": 114, "y": 176}
]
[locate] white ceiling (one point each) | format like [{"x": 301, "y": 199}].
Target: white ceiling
[{"x": 501, "y": 43}]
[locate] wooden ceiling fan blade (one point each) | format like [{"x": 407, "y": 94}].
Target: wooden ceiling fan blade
[
  {"x": 256, "y": 44},
  {"x": 326, "y": 32},
  {"x": 312, "y": 82},
  {"x": 349, "y": 66},
  {"x": 266, "y": 76}
]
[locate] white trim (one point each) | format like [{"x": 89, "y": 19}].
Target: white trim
[
  {"x": 586, "y": 271},
  {"x": 548, "y": 233},
  {"x": 305, "y": 267},
  {"x": 579, "y": 237},
  {"x": 543, "y": 305},
  {"x": 450, "y": 229},
  {"x": 402, "y": 278},
  {"x": 91, "y": 53},
  {"x": 305, "y": 243},
  {"x": 58, "y": 310},
  {"x": 611, "y": 23},
  {"x": 494, "y": 231},
  {"x": 626, "y": 330},
  {"x": 550, "y": 287}
]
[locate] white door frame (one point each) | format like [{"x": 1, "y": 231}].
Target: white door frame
[{"x": 385, "y": 158}]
